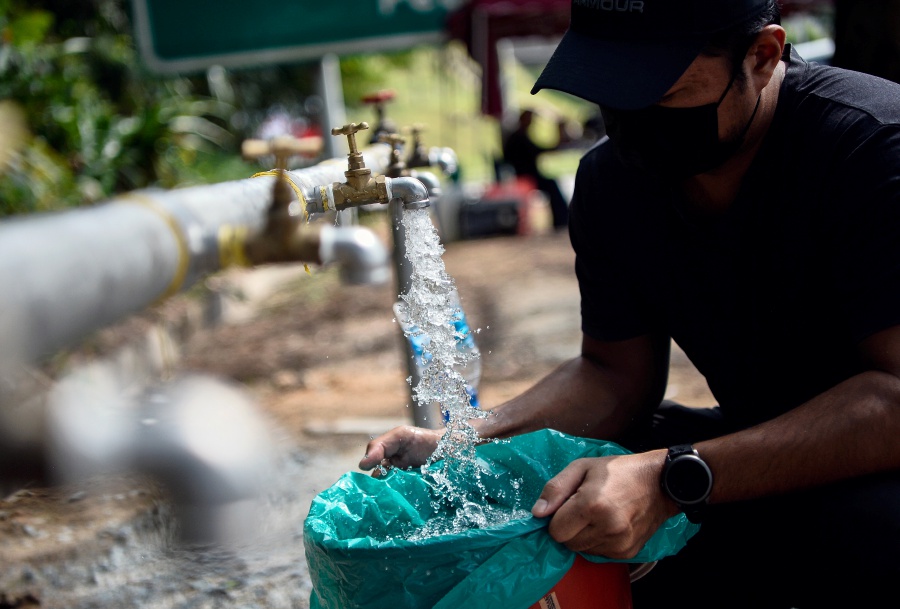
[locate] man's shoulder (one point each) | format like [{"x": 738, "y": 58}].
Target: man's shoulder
[
  {"x": 605, "y": 187},
  {"x": 601, "y": 166},
  {"x": 598, "y": 158},
  {"x": 836, "y": 92}
]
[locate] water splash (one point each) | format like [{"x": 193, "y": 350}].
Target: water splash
[{"x": 430, "y": 305}]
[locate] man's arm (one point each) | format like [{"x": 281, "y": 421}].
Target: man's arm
[
  {"x": 850, "y": 430},
  {"x": 598, "y": 394},
  {"x": 612, "y": 505}
]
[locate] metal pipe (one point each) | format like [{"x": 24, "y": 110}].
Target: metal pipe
[
  {"x": 445, "y": 159},
  {"x": 411, "y": 191},
  {"x": 402, "y": 266},
  {"x": 64, "y": 275},
  {"x": 431, "y": 182},
  {"x": 362, "y": 256}
]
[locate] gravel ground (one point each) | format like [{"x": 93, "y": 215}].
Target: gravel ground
[{"x": 134, "y": 558}]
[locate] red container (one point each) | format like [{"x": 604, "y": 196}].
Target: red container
[{"x": 589, "y": 585}]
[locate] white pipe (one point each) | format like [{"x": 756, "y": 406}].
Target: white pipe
[
  {"x": 362, "y": 256},
  {"x": 64, "y": 275}
]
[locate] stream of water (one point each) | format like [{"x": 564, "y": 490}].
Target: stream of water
[{"x": 460, "y": 496}]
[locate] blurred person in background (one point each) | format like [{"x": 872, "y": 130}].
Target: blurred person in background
[{"x": 521, "y": 153}]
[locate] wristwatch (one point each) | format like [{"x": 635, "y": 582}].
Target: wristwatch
[{"x": 687, "y": 479}]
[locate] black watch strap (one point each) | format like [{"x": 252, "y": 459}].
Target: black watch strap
[
  {"x": 695, "y": 513},
  {"x": 687, "y": 480},
  {"x": 681, "y": 449}
]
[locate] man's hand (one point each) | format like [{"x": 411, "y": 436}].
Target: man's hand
[
  {"x": 402, "y": 447},
  {"x": 608, "y": 506}
]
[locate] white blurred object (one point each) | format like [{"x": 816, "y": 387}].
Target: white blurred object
[{"x": 200, "y": 437}]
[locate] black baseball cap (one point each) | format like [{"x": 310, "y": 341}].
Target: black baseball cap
[{"x": 626, "y": 54}]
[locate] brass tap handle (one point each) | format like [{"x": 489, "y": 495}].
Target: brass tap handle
[
  {"x": 397, "y": 167},
  {"x": 282, "y": 148},
  {"x": 350, "y": 131},
  {"x": 394, "y": 139},
  {"x": 418, "y": 156},
  {"x": 416, "y": 130}
]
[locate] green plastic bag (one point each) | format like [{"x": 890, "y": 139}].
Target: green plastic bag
[{"x": 359, "y": 556}]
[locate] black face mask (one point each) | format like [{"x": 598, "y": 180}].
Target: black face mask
[{"x": 672, "y": 142}]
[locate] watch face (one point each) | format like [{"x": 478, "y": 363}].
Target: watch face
[{"x": 688, "y": 480}]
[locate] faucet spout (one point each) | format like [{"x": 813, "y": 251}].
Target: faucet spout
[
  {"x": 431, "y": 182},
  {"x": 362, "y": 257},
  {"x": 411, "y": 191}
]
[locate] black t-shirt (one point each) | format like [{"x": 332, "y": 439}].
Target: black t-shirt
[{"x": 770, "y": 300}]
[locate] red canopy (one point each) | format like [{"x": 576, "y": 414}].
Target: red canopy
[{"x": 481, "y": 23}]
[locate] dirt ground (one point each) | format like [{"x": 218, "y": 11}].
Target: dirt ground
[
  {"x": 320, "y": 351},
  {"x": 325, "y": 363}
]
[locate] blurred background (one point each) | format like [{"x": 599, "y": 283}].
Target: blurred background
[
  {"x": 105, "y": 96},
  {"x": 99, "y": 98}
]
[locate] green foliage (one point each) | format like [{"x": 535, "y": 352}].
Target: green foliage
[
  {"x": 440, "y": 88},
  {"x": 807, "y": 26},
  {"x": 81, "y": 120},
  {"x": 94, "y": 123},
  {"x": 364, "y": 74}
]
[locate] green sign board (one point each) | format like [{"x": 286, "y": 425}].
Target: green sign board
[{"x": 192, "y": 35}]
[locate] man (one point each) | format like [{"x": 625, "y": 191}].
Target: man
[
  {"x": 746, "y": 205},
  {"x": 521, "y": 153}
]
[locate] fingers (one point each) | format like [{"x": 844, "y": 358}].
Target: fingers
[
  {"x": 558, "y": 490},
  {"x": 404, "y": 446},
  {"x": 381, "y": 449},
  {"x": 382, "y": 468},
  {"x": 603, "y": 506},
  {"x": 583, "y": 520}
]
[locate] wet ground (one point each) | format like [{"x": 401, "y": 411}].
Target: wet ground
[{"x": 324, "y": 364}]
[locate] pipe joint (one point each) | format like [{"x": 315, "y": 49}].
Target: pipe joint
[
  {"x": 431, "y": 182},
  {"x": 411, "y": 191},
  {"x": 362, "y": 257}
]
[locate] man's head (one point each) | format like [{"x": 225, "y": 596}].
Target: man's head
[{"x": 626, "y": 54}]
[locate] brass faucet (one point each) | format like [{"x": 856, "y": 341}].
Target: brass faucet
[
  {"x": 280, "y": 239},
  {"x": 419, "y": 155},
  {"x": 397, "y": 167},
  {"x": 360, "y": 188}
]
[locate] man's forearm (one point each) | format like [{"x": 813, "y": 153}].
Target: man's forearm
[
  {"x": 850, "y": 430},
  {"x": 578, "y": 398}
]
